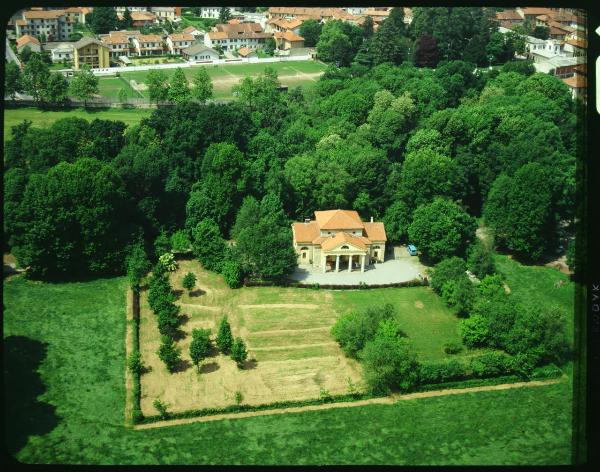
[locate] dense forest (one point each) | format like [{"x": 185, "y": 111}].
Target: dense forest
[{"x": 428, "y": 150}]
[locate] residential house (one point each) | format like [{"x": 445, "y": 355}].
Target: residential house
[
  {"x": 77, "y": 14},
  {"x": 578, "y": 82},
  {"x": 28, "y": 41},
  {"x": 282, "y": 25},
  {"x": 166, "y": 13},
  {"x": 288, "y": 40},
  {"x": 193, "y": 31},
  {"x": 510, "y": 17},
  {"x": 575, "y": 47},
  {"x": 210, "y": 12},
  {"x": 118, "y": 45},
  {"x": 305, "y": 13},
  {"x": 60, "y": 52},
  {"x": 199, "y": 53},
  {"x": 339, "y": 240},
  {"x": 55, "y": 25},
  {"x": 121, "y": 10},
  {"x": 142, "y": 18},
  {"x": 92, "y": 52},
  {"x": 148, "y": 44},
  {"x": 232, "y": 37},
  {"x": 178, "y": 41},
  {"x": 378, "y": 16}
]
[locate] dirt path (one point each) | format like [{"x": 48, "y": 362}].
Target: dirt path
[
  {"x": 282, "y": 305},
  {"x": 372, "y": 401}
]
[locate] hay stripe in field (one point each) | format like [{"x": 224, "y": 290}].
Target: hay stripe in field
[
  {"x": 290, "y": 331},
  {"x": 203, "y": 307},
  {"x": 295, "y": 346},
  {"x": 310, "y": 306}
]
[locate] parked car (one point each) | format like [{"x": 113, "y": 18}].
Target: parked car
[{"x": 412, "y": 250}]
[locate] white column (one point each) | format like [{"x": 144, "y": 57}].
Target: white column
[
  {"x": 337, "y": 263},
  {"x": 323, "y": 260},
  {"x": 362, "y": 263},
  {"x": 350, "y": 263}
]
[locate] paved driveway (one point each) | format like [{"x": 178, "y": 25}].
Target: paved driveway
[{"x": 400, "y": 267}]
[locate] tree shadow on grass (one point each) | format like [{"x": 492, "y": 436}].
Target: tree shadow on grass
[
  {"x": 24, "y": 415},
  {"x": 179, "y": 334},
  {"x": 177, "y": 293},
  {"x": 208, "y": 368},
  {"x": 183, "y": 319},
  {"x": 182, "y": 366},
  {"x": 249, "y": 364},
  {"x": 214, "y": 351},
  {"x": 196, "y": 293}
]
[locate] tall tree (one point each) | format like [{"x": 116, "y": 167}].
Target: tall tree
[
  {"x": 74, "y": 221},
  {"x": 426, "y": 52},
  {"x": 367, "y": 27},
  {"x": 158, "y": 86},
  {"x": 224, "y": 15},
  {"x": 208, "y": 245},
  {"x": 441, "y": 229},
  {"x": 203, "y": 86},
  {"x": 200, "y": 346},
  {"x": 35, "y": 77},
  {"x": 390, "y": 43},
  {"x": 104, "y": 19},
  {"x": 127, "y": 20},
  {"x": 179, "y": 90},
  {"x": 310, "y": 30},
  {"x": 13, "y": 82},
  {"x": 57, "y": 88},
  {"x": 519, "y": 209},
  {"x": 84, "y": 85}
]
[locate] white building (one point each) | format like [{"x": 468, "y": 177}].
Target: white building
[
  {"x": 60, "y": 51},
  {"x": 55, "y": 25},
  {"x": 210, "y": 12},
  {"x": 148, "y": 44},
  {"x": 232, "y": 37},
  {"x": 166, "y": 13},
  {"x": 199, "y": 53},
  {"x": 178, "y": 41}
]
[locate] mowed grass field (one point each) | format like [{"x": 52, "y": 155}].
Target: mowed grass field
[
  {"x": 64, "y": 388},
  {"x": 224, "y": 77},
  {"x": 291, "y": 353},
  {"x": 45, "y": 118}
]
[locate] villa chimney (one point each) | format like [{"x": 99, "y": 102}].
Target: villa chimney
[{"x": 371, "y": 219}]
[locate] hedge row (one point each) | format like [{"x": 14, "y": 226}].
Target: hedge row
[
  {"x": 316, "y": 286},
  {"x": 486, "y": 366},
  {"x": 136, "y": 411},
  {"x": 265, "y": 406}
]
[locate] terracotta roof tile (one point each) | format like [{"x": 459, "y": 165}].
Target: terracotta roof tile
[
  {"x": 43, "y": 14},
  {"x": 338, "y": 219},
  {"x": 578, "y": 43},
  {"x": 508, "y": 15},
  {"x": 181, "y": 37},
  {"x": 305, "y": 232},
  {"x": 244, "y": 51},
  {"x": 341, "y": 238},
  {"x": 375, "y": 231},
  {"x": 577, "y": 81},
  {"x": 27, "y": 39}
]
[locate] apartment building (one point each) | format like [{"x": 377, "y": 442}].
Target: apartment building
[
  {"x": 176, "y": 42},
  {"x": 148, "y": 44},
  {"x": 55, "y": 25},
  {"x": 166, "y": 13},
  {"x": 231, "y": 37},
  {"x": 92, "y": 52}
]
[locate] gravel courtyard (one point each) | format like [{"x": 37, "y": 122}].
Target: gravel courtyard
[{"x": 399, "y": 266}]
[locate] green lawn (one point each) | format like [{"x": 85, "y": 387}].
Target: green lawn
[
  {"x": 64, "y": 369},
  {"x": 428, "y": 328},
  {"x": 535, "y": 285},
  {"x": 111, "y": 86},
  {"x": 44, "y": 118}
]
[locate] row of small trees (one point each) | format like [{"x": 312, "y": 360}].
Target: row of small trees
[
  {"x": 46, "y": 87},
  {"x": 201, "y": 345},
  {"x": 176, "y": 89}
]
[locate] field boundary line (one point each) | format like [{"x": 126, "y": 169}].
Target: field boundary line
[
  {"x": 289, "y": 331},
  {"x": 303, "y": 74},
  {"x": 129, "y": 327},
  {"x": 308, "y": 306},
  {"x": 390, "y": 400},
  {"x": 292, "y": 346}
]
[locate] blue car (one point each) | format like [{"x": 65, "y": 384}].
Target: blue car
[{"x": 412, "y": 250}]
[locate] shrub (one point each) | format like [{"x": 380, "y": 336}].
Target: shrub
[
  {"x": 200, "y": 346},
  {"x": 354, "y": 329},
  {"x": 447, "y": 270},
  {"x": 389, "y": 363},
  {"x": 480, "y": 261},
  {"x": 522, "y": 365},
  {"x": 180, "y": 241},
  {"x": 169, "y": 353},
  {"x": 162, "y": 244},
  {"x": 232, "y": 273},
  {"x": 167, "y": 260},
  {"x": 442, "y": 372},
  {"x": 459, "y": 294},
  {"x": 159, "y": 291},
  {"x": 474, "y": 331},
  {"x": 452, "y": 348},
  {"x": 238, "y": 352},
  {"x": 491, "y": 364},
  {"x": 239, "y": 398},
  {"x": 134, "y": 363},
  {"x": 161, "y": 408},
  {"x": 224, "y": 336},
  {"x": 324, "y": 395},
  {"x": 189, "y": 281}
]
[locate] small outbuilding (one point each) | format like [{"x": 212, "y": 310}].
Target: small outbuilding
[{"x": 199, "y": 52}]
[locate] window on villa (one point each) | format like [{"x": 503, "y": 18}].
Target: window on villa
[
  {"x": 376, "y": 247},
  {"x": 344, "y": 247}
]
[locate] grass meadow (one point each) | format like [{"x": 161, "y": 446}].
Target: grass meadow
[
  {"x": 65, "y": 394},
  {"x": 45, "y": 118}
]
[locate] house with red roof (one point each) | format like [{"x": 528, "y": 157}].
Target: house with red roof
[{"x": 339, "y": 240}]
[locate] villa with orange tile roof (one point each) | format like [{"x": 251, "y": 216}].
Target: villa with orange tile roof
[{"x": 339, "y": 240}]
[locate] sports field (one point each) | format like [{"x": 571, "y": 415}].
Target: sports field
[
  {"x": 224, "y": 77},
  {"x": 64, "y": 385}
]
